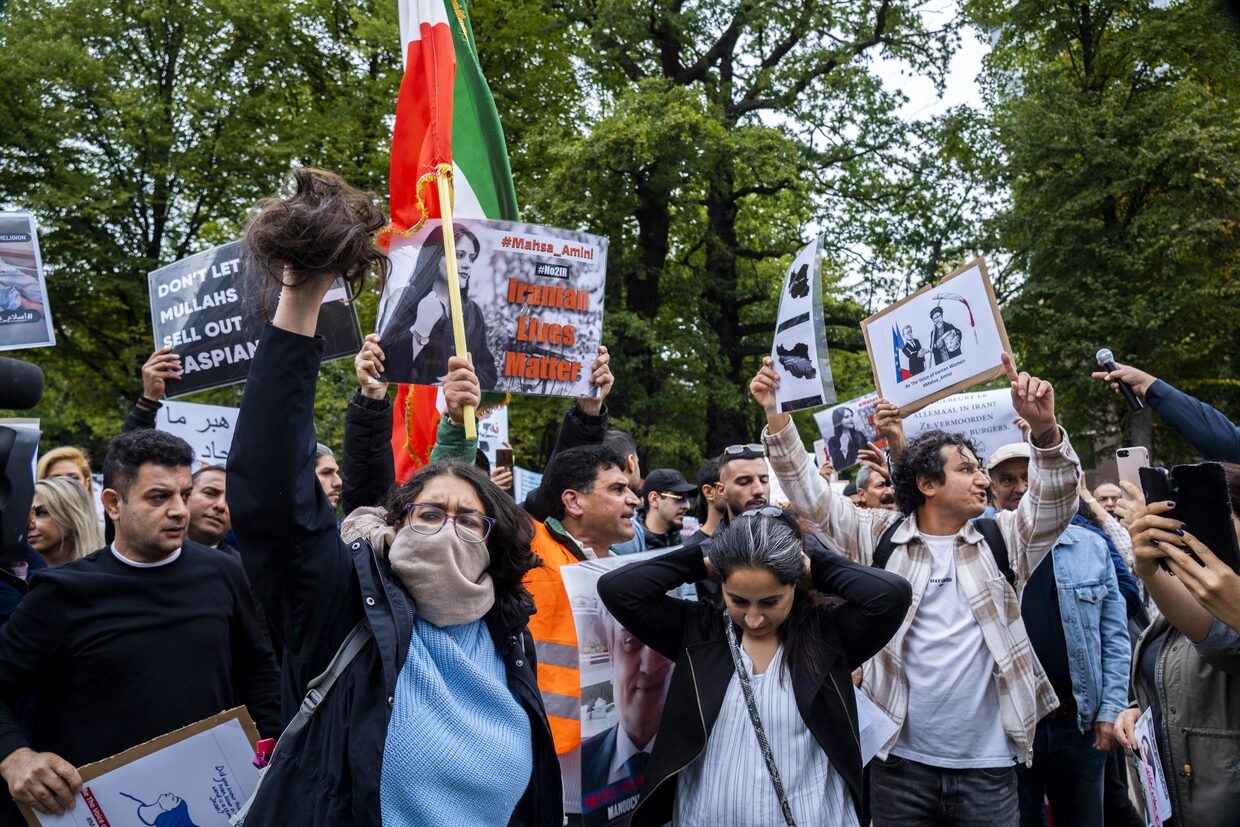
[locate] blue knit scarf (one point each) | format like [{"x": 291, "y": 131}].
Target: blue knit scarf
[{"x": 459, "y": 748}]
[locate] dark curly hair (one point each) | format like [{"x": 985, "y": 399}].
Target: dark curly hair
[
  {"x": 923, "y": 458},
  {"x": 318, "y": 226},
  {"x": 128, "y": 452},
  {"x": 576, "y": 469},
  {"x": 508, "y": 542}
]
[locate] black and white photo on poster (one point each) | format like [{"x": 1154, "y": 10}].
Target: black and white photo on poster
[
  {"x": 25, "y": 317},
  {"x": 847, "y": 427},
  {"x": 799, "y": 349},
  {"x": 531, "y": 300},
  {"x": 210, "y": 312},
  {"x": 941, "y": 340}
]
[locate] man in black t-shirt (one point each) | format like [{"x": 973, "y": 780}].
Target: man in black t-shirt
[{"x": 142, "y": 637}]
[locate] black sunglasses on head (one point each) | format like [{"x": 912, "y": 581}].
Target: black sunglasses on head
[{"x": 747, "y": 448}]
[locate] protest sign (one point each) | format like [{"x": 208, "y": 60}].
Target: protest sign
[
  {"x": 523, "y": 482},
  {"x": 799, "y": 350},
  {"x": 941, "y": 340},
  {"x": 207, "y": 428},
  {"x": 200, "y": 775},
  {"x": 493, "y": 431},
  {"x": 1149, "y": 770},
  {"x": 25, "y": 317},
  {"x": 532, "y": 299},
  {"x": 847, "y": 428},
  {"x": 987, "y": 418},
  {"x": 211, "y": 313},
  {"x": 621, "y": 704}
]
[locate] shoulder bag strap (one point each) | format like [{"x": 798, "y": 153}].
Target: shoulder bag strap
[{"x": 747, "y": 690}]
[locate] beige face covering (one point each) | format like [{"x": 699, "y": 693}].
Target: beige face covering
[{"x": 446, "y": 576}]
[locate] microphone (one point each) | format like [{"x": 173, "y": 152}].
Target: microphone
[
  {"x": 21, "y": 384},
  {"x": 1106, "y": 360}
]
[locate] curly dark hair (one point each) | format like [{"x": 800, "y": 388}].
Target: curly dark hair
[
  {"x": 576, "y": 469},
  {"x": 128, "y": 452},
  {"x": 508, "y": 542},
  {"x": 923, "y": 458},
  {"x": 318, "y": 226}
]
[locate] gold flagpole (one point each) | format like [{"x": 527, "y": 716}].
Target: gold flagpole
[{"x": 444, "y": 176}]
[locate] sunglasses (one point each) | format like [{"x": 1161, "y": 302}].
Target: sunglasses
[
  {"x": 670, "y": 495},
  {"x": 747, "y": 448}
]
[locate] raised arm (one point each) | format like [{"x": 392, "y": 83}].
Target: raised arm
[
  {"x": 832, "y": 518},
  {"x": 637, "y": 595}
]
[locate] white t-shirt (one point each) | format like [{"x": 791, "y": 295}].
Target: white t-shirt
[{"x": 953, "y": 719}]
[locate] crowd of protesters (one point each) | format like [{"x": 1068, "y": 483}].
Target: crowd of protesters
[{"x": 1011, "y": 624}]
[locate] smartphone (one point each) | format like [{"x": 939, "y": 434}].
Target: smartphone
[
  {"x": 1130, "y": 462},
  {"x": 503, "y": 458},
  {"x": 1202, "y": 503}
]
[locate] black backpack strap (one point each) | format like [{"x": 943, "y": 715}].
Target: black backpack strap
[
  {"x": 998, "y": 548},
  {"x": 882, "y": 552}
]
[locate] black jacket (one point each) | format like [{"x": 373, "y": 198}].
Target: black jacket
[
  {"x": 692, "y": 634},
  {"x": 329, "y": 775}
]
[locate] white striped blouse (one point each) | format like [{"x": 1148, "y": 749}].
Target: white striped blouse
[{"x": 729, "y": 783}]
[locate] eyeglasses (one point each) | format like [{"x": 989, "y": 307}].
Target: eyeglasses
[
  {"x": 669, "y": 495},
  {"x": 747, "y": 448},
  {"x": 430, "y": 519}
]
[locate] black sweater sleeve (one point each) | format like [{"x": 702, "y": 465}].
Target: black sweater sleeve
[
  {"x": 578, "y": 428},
  {"x": 367, "y": 467},
  {"x": 285, "y": 527},
  {"x": 875, "y": 602},
  {"x": 255, "y": 677},
  {"x": 636, "y": 595}
]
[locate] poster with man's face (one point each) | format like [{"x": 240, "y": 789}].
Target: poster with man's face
[
  {"x": 623, "y": 689},
  {"x": 25, "y": 320}
]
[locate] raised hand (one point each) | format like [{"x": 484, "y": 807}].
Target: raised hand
[
  {"x": 1138, "y": 380},
  {"x": 368, "y": 367},
  {"x": 763, "y": 386},
  {"x": 460, "y": 388},
  {"x": 161, "y": 366},
  {"x": 1034, "y": 400},
  {"x": 890, "y": 424}
]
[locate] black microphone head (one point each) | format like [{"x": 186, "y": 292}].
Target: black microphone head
[
  {"x": 1104, "y": 356},
  {"x": 21, "y": 384}
]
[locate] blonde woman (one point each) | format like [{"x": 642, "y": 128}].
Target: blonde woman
[
  {"x": 66, "y": 461},
  {"x": 62, "y": 523}
]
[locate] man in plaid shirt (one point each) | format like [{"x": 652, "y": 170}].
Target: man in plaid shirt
[{"x": 959, "y": 678}]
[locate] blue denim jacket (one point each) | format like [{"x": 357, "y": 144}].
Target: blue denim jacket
[{"x": 1095, "y": 626}]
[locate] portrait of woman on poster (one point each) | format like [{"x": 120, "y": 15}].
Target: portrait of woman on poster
[{"x": 416, "y": 332}]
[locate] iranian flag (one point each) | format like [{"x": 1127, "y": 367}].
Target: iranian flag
[{"x": 445, "y": 119}]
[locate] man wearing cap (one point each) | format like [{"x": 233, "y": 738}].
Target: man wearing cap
[
  {"x": 665, "y": 501},
  {"x": 945, "y": 339},
  {"x": 1076, "y": 621}
]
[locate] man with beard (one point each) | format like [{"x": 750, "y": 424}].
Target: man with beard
[
  {"x": 945, "y": 339},
  {"x": 639, "y": 679},
  {"x": 657, "y": 524},
  {"x": 328, "y": 472},
  {"x": 744, "y": 483},
  {"x": 875, "y": 489}
]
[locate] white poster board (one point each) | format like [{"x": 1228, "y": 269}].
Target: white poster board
[
  {"x": 523, "y": 482},
  {"x": 941, "y": 340},
  {"x": 987, "y": 418},
  {"x": 200, "y": 775},
  {"x": 799, "y": 350},
  {"x": 532, "y": 299},
  {"x": 493, "y": 431},
  {"x": 25, "y": 315},
  {"x": 207, "y": 428},
  {"x": 1149, "y": 770},
  {"x": 846, "y": 428},
  {"x": 618, "y": 705}
]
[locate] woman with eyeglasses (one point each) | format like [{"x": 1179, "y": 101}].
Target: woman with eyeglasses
[
  {"x": 435, "y": 716},
  {"x": 760, "y": 724}
]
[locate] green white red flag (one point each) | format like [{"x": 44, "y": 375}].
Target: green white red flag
[{"x": 445, "y": 118}]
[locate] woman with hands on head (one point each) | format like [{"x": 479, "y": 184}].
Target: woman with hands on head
[
  {"x": 779, "y": 656},
  {"x": 437, "y": 719},
  {"x": 1186, "y": 664}
]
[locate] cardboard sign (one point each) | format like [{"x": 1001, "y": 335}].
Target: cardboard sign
[
  {"x": 207, "y": 428},
  {"x": 987, "y": 418},
  {"x": 211, "y": 313},
  {"x": 943, "y": 339},
  {"x": 25, "y": 317},
  {"x": 799, "y": 350},
  {"x": 612, "y": 661},
  {"x": 201, "y": 775},
  {"x": 532, "y": 299}
]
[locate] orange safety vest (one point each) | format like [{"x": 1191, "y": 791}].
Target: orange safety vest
[{"x": 555, "y": 639}]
